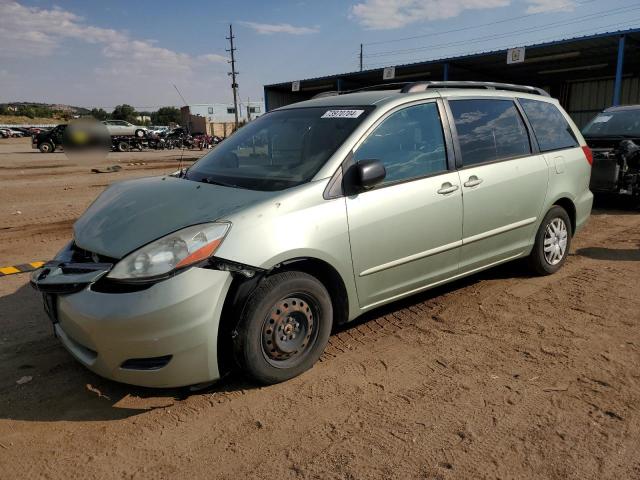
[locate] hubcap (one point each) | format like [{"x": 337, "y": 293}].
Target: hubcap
[
  {"x": 555, "y": 241},
  {"x": 289, "y": 329}
]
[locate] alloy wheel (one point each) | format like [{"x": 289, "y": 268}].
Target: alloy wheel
[{"x": 555, "y": 241}]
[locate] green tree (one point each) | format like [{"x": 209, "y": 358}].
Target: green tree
[
  {"x": 165, "y": 115},
  {"x": 99, "y": 114},
  {"x": 124, "y": 112}
]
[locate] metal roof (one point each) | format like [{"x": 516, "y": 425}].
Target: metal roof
[{"x": 600, "y": 46}]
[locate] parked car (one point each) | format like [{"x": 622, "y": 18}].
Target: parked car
[
  {"x": 308, "y": 217},
  {"x": 614, "y": 137},
  {"x": 121, "y": 128},
  {"x": 48, "y": 140},
  {"x": 5, "y": 133},
  {"x": 12, "y": 132}
]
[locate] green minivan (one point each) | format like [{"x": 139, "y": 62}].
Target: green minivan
[{"x": 306, "y": 218}]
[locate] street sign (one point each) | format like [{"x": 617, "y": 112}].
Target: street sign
[
  {"x": 389, "y": 73},
  {"x": 515, "y": 55},
  {"x": 295, "y": 86}
]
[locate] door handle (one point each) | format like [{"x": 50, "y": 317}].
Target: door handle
[
  {"x": 447, "y": 188},
  {"x": 473, "y": 181}
]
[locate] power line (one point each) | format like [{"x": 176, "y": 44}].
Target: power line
[
  {"x": 506, "y": 34},
  {"x": 461, "y": 29},
  {"x": 503, "y": 47}
]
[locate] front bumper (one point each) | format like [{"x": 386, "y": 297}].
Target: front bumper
[{"x": 178, "y": 317}]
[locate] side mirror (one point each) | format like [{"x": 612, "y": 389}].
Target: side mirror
[{"x": 370, "y": 173}]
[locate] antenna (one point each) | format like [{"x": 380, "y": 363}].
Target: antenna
[
  {"x": 233, "y": 73},
  {"x": 182, "y": 152},
  {"x": 183, "y": 100}
]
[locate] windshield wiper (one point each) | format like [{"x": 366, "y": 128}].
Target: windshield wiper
[{"x": 211, "y": 181}]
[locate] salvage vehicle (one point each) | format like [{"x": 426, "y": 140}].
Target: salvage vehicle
[
  {"x": 121, "y": 128},
  {"x": 308, "y": 217},
  {"x": 614, "y": 138},
  {"x": 47, "y": 141}
]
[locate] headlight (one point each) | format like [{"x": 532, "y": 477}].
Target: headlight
[{"x": 177, "y": 250}]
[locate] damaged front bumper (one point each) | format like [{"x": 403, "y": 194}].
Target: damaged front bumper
[{"x": 163, "y": 335}]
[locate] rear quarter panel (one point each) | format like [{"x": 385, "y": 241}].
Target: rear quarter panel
[{"x": 569, "y": 177}]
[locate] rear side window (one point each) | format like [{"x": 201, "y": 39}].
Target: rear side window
[
  {"x": 489, "y": 130},
  {"x": 549, "y": 125},
  {"x": 409, "y": 143}
]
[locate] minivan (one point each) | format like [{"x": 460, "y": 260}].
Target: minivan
[{"x": 308, "y": 217}]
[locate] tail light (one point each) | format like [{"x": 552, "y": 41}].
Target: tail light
[{"x": 588, "y": 154}]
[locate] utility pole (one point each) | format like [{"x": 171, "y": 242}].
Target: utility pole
[
  {"x": 248, "y": 109},
  {"x": 233, "y": 73},
  {"x": 360, "y": 57}
]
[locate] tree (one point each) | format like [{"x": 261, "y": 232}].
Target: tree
[
  {"x": 124, "y": 112},
  {"x": 99, "y": 114},
  {"x": 165, "y": 115}
]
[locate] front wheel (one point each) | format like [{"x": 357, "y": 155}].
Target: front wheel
[
  {"x": 46, "y": 147},
  {"x": 284, "y": 327},
  {"x": 552, "y": 243}
]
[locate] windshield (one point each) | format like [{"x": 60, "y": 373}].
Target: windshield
[
  {"x": 623, "y": 123},
  {"x": 279, "y": 150}
]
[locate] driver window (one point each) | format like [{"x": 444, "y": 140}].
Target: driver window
[{"x": 409, "y": 143}]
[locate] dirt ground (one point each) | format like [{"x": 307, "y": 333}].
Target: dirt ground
[{"x": 501, "y": 375}]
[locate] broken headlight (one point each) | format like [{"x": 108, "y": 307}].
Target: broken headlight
[{"x": 175, "y": 251}]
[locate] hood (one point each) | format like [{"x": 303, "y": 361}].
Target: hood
[{"x": 132, "y": 213}]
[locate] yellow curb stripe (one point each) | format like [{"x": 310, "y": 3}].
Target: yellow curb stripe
[
  {"x": 26, "y": 267},
  {"x": 9, "y": 270}
]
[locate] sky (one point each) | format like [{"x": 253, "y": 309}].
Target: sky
[{"x": 94, "y": 53}]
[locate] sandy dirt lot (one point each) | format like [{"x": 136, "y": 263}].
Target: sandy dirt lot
[{"x": 502, "y": 375}]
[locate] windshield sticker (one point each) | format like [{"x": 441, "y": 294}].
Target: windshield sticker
[
  {"x": 603, "y": 119},
  {"x": 342, "y": 113}
]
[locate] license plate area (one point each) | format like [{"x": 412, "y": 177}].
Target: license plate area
[{"x": 50, "y": 301}]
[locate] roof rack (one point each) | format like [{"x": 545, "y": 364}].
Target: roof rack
[{"x": 423, "y": 86}]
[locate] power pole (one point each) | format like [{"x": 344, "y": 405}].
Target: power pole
[
  {"x": 233, "y": 73},
  {"x": 360, "y": 57}
]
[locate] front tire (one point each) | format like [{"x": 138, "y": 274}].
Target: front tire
[
  {"x": 46, "y": 147},
  {"x": 553, "y": 241},
  {"x": 284, "y": 327}
]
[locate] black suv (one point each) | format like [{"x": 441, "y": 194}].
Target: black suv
[
  {"x": 614, "y": 138},
  {"x": 47, "y": 141}
]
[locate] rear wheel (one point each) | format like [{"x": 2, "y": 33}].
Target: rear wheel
[
  {"x": 46, "y": 147},
  {"x": 123, "y": 146},
  {"x": 553, "y": 241},
  {"x": 284, "y": 327}
]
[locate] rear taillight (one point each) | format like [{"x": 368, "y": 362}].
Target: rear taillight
[{"x": 588, "y": 154}]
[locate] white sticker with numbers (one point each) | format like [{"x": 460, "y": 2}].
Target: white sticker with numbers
[{"x": 342, "y": 113}]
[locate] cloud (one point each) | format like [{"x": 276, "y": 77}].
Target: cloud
[
  {"x": 389, "y": 14},
  {"x": 540, "y": 6},
  {"x": 39, "y": 32},
  {"x": 268, "y": 28}
]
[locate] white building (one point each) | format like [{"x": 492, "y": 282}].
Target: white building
[{"x": 224, "y": 113}]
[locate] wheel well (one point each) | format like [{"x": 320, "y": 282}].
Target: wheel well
[
  {"x": 570, "y": 208},
  {"x": 241, "y": 287},
  {"x": 329, "y": 277}
]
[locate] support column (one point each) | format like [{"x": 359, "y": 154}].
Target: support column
[
  {"x": 339, "y": 85},
  {"x": 445, "y": 76},
  {"x": 266, "y": 100},
  {"x": 617, "y": 87}
]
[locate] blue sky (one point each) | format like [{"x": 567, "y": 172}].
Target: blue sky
[{"x": 99, "y": 53}]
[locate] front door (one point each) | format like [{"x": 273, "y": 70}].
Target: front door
[
  {"x": 504, "y": 184},
  {"x": 406, "y": 232}
]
